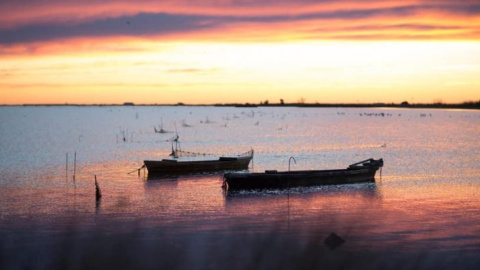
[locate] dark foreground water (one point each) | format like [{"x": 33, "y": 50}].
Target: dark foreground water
[{"x": 423, "y": 213}]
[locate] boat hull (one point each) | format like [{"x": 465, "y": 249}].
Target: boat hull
[
  {"x": 282, "y": 180},
  {"x": 181, "y": 167}
]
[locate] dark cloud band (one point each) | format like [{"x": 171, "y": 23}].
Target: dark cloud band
[{"x": 158, "y": 24}]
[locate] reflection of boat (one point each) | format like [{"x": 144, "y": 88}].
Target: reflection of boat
[
  {"x": 363, "y": 171},
  {"x": 172, "y": 166}
]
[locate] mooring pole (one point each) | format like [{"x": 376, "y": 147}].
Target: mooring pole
[
  {"x": 66, "y": 169},
  {"x": 98, "y": 193},
  {"x": 74, "y": 168}
]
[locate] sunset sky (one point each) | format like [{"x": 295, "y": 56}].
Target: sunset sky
[{"x": 90, "y": 51}]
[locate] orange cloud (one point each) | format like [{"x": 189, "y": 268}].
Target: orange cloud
[
  {"x": 22, "y": 13},
  {"x": 27, "y": 27}
]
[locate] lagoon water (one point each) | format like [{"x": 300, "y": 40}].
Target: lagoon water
[{"x": 422, "y": 212}]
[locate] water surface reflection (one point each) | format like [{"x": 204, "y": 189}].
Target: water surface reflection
[{"x": 423, "y": 213}]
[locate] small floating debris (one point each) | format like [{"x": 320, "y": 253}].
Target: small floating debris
[
  {"x": 184, "y": 124},
  {"x": 207, "y": 121},
  {"x": 161, "y": 130}
]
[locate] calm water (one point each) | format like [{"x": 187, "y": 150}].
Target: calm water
[{"x": 424, "y": 211}]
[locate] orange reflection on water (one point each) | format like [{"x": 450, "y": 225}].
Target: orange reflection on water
[{"x": 434, "y": 212}]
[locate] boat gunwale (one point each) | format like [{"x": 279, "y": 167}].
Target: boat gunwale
[
  {"x": 300, "y": 172},
  {"x": 173, "y": 161}
]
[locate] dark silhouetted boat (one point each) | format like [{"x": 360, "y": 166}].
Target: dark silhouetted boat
[
  {"x": 363, "y": 171},
  {"x": 173, "y": 166}
]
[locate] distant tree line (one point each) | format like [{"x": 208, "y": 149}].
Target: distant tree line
[{"x": 300, "y": 103}]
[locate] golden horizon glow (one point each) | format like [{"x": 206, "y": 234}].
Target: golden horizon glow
[{"x": 326, "y": 72}]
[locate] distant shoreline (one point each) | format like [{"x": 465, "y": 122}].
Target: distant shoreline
[{"x": 465, "y": 105}]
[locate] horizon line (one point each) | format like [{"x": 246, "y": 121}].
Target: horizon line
[{"x": 405, "y": 104}]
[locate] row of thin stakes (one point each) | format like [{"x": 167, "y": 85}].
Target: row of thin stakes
[{"x": 98, "y": 192}]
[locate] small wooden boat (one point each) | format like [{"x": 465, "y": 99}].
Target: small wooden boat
[
  {"x": 173, "y": 166},
  {"x": 363, "y": 171}
]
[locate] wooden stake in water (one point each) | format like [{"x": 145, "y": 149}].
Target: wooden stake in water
[
  {"x": 74, "y": 168},
  {"x": 66, "y": 169},
  {"x": 98, "y": 192}
]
